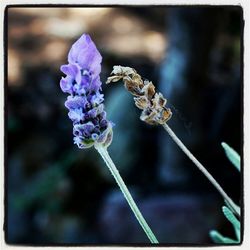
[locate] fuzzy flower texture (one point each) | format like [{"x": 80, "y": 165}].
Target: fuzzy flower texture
[
  {"x": 146, "y": 98},
  {"x": 85, "y": 100}
]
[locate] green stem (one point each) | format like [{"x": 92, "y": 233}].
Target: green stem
[
  {"x": 107, "y": 159},
  {"x": 229, "y": 201}
]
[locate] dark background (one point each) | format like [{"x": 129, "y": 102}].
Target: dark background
[{"x": 58, "y": 194}]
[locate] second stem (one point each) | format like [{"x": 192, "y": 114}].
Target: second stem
[{"x": 202, "y": 169}]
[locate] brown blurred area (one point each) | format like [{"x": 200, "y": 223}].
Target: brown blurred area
[{"x": 42, "y": 36}]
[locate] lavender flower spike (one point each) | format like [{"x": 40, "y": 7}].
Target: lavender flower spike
[
  {"x": 86, "y": 111},
  {"x": 85, "y": 101}
]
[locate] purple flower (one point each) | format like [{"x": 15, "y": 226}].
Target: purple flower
[
  {"x": 76, "y": 115},
  {"x": 85, "y": 100}
]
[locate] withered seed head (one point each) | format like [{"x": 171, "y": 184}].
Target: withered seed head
[
  {"x": 141, "y": 102},
  {"x": 152, "y": 103}
]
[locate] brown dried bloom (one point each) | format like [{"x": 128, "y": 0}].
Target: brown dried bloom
[{"x": 152, "y": 103}]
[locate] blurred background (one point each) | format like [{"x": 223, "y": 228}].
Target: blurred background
[{"x": 58, "y": 194}]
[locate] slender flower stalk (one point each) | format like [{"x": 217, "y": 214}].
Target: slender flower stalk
[
  {"x": 230, "y": 202},
  {"x": 86, "y": 111},
  {"x": 154, "y": 112},
  {"x": 107, "y": 159}
]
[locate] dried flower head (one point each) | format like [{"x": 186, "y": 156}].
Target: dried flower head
[
  {"x": 85, "y": 101},
  {"x": 146, "y": 98}
]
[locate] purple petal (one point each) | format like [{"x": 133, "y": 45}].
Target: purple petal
[
  {"x": 80, "y": 44},
  {"x": 96, "y": 99},
  {"x": 95, "y": 111},
  {"x": 85, "y": 53},
  {"x": 72, "y": 70},
  {"x": 95, "y": 84},
  {"x": 83, "y": 86},
  {"x": 77, "y": 130},
  {"x": 90, "y": 59},
  {"x": 86, "y": 80},
  {"x": 84, "y": 130},
  {"x": 88, "y": 127},
  {"x": 92, "y": 113},
  {"x": 66, "y": 84},
  {"x": 79, "y": 89},
  {"x": 75, "y": 102},
  {"x": 76, "y": 115},
  {"x": 103, "y": 115},
  {"x": 104, "y": 123}
]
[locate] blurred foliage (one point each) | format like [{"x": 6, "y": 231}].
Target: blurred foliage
[
  {"x": 228, "y": 213},
  {"x": 232, "y": 155}
]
